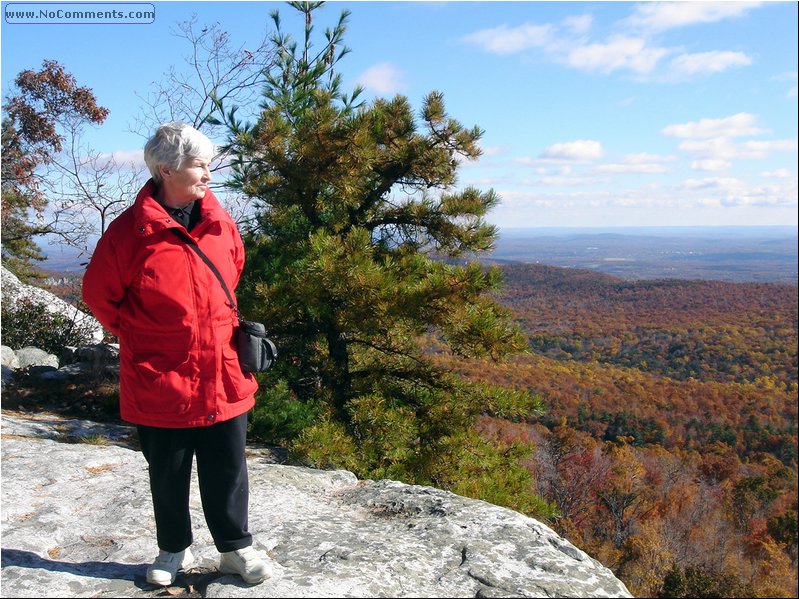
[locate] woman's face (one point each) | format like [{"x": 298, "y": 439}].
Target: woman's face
[{"x": 183, "y": 185}]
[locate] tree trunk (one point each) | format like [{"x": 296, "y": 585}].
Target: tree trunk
[{"x": 340, "y": 382}]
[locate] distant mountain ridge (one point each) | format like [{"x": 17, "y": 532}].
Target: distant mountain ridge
[{"x": 737, "y": 254}]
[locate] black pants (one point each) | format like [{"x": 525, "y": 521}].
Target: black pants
[{"x": 222, "y": 474}]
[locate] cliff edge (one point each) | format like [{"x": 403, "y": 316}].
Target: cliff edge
[{"x": 77, "y": 522}]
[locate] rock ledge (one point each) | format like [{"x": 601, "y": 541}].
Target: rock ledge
[{"x": 77, "y": 522}]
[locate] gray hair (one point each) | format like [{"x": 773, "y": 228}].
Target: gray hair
[{"x": 174, "y": 143}]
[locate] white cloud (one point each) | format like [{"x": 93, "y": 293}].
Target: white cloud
[
  {"x": 645, "y": 157},
  {"x": 688, "y": 65},
  {"x": 568, "y": 181},
  {"x": 491, "y": 151},
  {"x": 562, "y": 175},
  {"x": 129, "y": 159},
  {"x": 509, "y": 40},
  {"x": 721, "y": 183},
  {"x": 716, "y": 201},
  {"x": 724, "y": 149},
  {"x": 720, "y": 148},
  {"x": 732, "y": 192},
  {"x": 711, "y": 165},
  {"x": 761, "y": 149},
  {"x": 618, "y": 53},
  {"x": 760, "y": 195},
  {"x": 659, "y": 16},
  {"x": 780, "y": 173},
  {"x": 579, "y": 150},
  {"x": 383, "y": 78},
  {"x": 792, "y": 92},
  {"x": 737, "y": 125},
  {"x": 566, "y": 42},
  {"x": 640, "y": 163},
  {"x": 708, "y": 183},
  {"x": 486, "y": 181},
  {"x": 628, "y": 168},
  {"x": 579, "y": 24}
]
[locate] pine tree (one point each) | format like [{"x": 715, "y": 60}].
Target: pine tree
[{"x": 361, "y": 251}]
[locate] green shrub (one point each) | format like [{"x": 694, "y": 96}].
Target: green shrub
[
  {"x": 326, "y": 445},
  {"x": 470, "y": 465},
  {"x": 25, "y": 323},
  {"x": 419, "y": 447},
  {"x": 277, "y": 416}
]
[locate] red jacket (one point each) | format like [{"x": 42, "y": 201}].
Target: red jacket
[{"x": 178, "y": 362}]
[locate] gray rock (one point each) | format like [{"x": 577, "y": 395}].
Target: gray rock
[
  {"x": 10, "y": 362},
  {"x": 99, "y": 356},
  {"x": 15, "y": 290},
  {"x": 33, "y": 356},
  {"x": 77, "y": 522},
  {"x": 50, "y": 426},
  {"x": 10, "y": 359},
  {"x": 61, "y": 375},
  {"x": 99, "y": 352},
  {"x": 100, "y": 360}
]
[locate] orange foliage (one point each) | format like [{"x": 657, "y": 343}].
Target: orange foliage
[{"x": 671, "y": 433}]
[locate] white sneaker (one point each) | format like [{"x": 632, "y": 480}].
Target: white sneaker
[
  {"x": 166, "y": 566},
  {"x": 247, "y": 563}
]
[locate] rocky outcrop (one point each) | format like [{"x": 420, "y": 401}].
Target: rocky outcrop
[
  {"x": 9, "y": 358},
  {"x": 9, "y": 363},
  {"x": 77, "y": 522},
  {"x": 99, "y": 361},
  {"x": 33, "y": 356},
  {"x": 15, "y": 290}
]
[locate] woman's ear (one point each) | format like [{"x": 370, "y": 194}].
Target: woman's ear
[{"x": 164, "y": 171}]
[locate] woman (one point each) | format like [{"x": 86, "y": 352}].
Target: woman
[{"x": 180, "y": 378}]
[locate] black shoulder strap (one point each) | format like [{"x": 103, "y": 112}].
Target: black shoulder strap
[{"x": 193, "y": 245}]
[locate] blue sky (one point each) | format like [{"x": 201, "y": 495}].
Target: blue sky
[{"x": 596, "y": 114}]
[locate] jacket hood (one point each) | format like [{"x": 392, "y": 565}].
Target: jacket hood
[{"x": 150, "y": 216}]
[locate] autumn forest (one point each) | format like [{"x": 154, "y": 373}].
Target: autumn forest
[{"x": 669, "y": 445}]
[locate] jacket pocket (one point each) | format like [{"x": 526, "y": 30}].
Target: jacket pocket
[
  {"x": 165, "y": 382},
  {"x": 238, "y": 385},
  {"x": 164, "y": 371}
]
